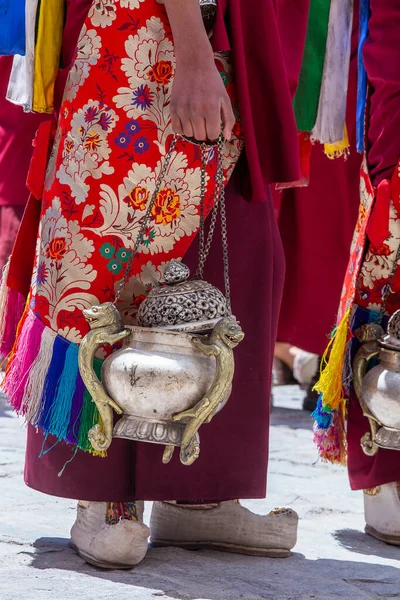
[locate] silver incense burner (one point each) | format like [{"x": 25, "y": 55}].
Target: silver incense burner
[
  {"x": 162, "y": 380},
  {"x": 378, "y": 389}
]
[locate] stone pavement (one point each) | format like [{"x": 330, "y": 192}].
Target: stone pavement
[{"x": 333, "y": 558}]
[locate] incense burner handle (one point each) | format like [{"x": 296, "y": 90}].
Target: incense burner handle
[{"x": 368, "y": 350}]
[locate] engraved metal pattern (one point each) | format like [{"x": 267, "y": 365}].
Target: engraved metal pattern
[
  {"x": 394, "y": 325},
  {"x": 176, "y": 272},
  {"x": 208, "y": 8},
  {"x": 388, "y": 438},
  {"x": 192, "y": 304},
  {"x": 158, "y": 432}
]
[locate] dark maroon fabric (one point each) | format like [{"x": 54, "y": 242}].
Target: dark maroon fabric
[
  {"x": 17, "y": 131},
  {"x": 382, "y": 63},
  {"x": 292, "y": 16},
  {"x": 366, "y": 471},
  {"x": 316, "y": 225},
  {"x": 263, "y": 93},
  {"x": 10, "y": 218},
  {"x": 234, "y": 447}
]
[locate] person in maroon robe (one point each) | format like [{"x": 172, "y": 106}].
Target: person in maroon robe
[
  {"x": 233, "y": 462},
  {"x": 372, "y": 283}
]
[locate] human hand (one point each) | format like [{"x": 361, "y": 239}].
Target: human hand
[{"x": 200, "y": 105}]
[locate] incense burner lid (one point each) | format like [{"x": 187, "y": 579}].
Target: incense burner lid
[{"x": 181, "y": 303}]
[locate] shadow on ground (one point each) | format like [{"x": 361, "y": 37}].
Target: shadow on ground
[
  {"x": 5, "y": 409},
  {"x": 291, "y": 417},
  {"x": 359, "y": 542},
  {"x": 210, "y": 575}
]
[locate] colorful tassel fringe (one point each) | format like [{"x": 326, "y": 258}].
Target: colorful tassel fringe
[
  {"x": 330, "y": 382},
  {"x": 43, "y": 383},
  {"x": 329, "y": 433},
  {"x": 331, "y": 443},
  {"x": 339, "y": 149}
]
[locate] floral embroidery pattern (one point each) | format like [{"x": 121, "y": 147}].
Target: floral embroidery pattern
[
  {"x": 87, "y": 53},
  {"x": 113, "y": 134}
]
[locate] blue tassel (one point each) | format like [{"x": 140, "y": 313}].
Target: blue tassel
[
  {"x": 362, "y": 75},
  {"x": 64, "y": 394},
  {"x": 323, "y": 418},
  {"x": 52, "y": 378}
]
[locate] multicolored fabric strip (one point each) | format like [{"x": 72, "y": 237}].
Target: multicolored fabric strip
[{"x": 306, "y": 100}]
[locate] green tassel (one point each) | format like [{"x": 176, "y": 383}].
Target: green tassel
[{"x": 90, "y": 415}]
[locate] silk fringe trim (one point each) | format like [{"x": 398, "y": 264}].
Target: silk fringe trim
[
  {"x": 43, "y": 384},
  {"x": 329, "y": 430}
]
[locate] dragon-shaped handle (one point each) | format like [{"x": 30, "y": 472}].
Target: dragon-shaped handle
[
  {"x": 226, "y": 335},
  {"x": 368, "y": 335},
  {"x": 105, "y": 328}
]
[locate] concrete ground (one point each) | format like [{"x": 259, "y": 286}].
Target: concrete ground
[{"x": 333, "y": 558}]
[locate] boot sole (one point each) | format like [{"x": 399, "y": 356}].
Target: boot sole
[
  {"x": 224, "y": 547},
  {"x": 99, "y": 563},
  {"x": 393, "y": 540}
]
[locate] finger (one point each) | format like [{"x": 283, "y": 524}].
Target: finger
[
  {"x": 213, "y": 124},
  {"x": 187, "y": 128},
  {"x": 176, "y": 124},
  {"x": 228, "y": 118},
  {"x": 199, "y": 128}
]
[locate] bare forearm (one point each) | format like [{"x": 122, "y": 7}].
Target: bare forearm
[
  {"x": 200, "y": 105},
  {"x": 191, "y": 42}
]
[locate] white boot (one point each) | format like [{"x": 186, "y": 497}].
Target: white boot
[
  {"x": 382, "y": 513},
  {"x": 228, "y": 527},
  {"x": 119, "y": 546}
]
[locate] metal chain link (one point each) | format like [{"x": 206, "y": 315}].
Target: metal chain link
[
  {"x": 218, "y": 207},
  {"x": 224, "y": 226},
  {"x": 200, "y": 266},
  {"x": 145, "y": 221}
]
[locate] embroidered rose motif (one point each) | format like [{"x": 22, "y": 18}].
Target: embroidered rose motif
[
  {"x": 138, "y": 198},
  {"x": 161, "y": 72},
  {"x": 56, "y": 248},
  {"x": 167, "y": 207}
]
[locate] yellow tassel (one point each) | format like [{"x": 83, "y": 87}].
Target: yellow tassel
[
  {"x": 330, "y": 382},
  {"x": 338, "y": 149},
  {"x": 99, "y": 453}
]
